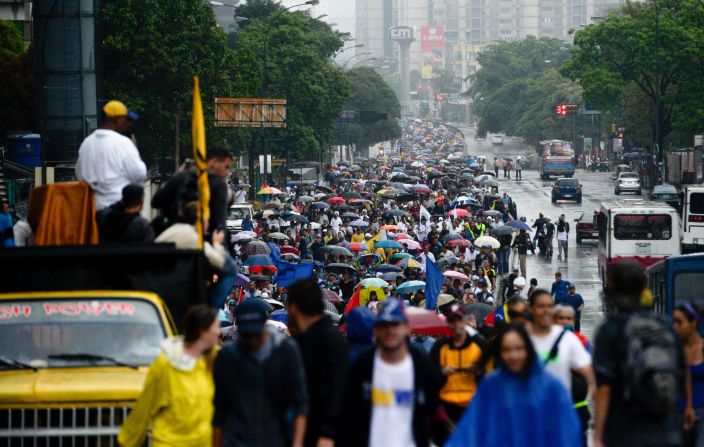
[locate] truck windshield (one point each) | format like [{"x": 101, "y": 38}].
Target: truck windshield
[
  {"x": 56, "y": 333},
  {"x": 642, "y": 226},
  {"x": 238, "y": 213}
]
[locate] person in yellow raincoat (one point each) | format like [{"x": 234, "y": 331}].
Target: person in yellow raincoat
[{"x": 177, "y": 399}]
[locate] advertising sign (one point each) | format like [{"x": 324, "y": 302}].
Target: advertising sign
[
  {"x": 401, "y": 34},
  {"x": 432, "y": 49}
]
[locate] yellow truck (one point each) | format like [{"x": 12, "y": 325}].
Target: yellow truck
[{"x": 72, "y": 362}]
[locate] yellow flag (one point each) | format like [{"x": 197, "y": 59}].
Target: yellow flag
[{"x": 199, "y": 155}]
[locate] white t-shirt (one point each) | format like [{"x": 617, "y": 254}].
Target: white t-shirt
[
  {"x": 570, "y": 354},
  {"x": 392, "y": 404},
  {"x": 109, "y": 161}
]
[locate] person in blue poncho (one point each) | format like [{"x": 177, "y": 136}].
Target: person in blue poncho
[{"x": 519, "y": 404}]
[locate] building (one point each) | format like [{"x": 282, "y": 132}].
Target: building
[{"x": 19, "y": 13}]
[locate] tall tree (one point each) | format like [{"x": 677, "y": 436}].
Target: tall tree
[
  {"x": 655, "y": 47},
  {"x": 17, "y": 97}
]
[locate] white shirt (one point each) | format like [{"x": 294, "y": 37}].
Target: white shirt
[
  {"x": 109, "y": 161},
  {"x": 335, "y": 223},
  {"x": 392, "y": 404},
  {"x": 570, "y": 354},
  {"x": 241, "y": 196}
]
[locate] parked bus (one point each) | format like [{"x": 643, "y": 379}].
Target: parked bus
[
  {"x": 636, "y": 230},
  {"x": 692, "y": 218},
  {"x": 676, "y": 279},
  {"x": 556, "y": 159}
]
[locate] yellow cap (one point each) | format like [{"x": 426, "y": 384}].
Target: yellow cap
[{"x": 114, "y": 109}]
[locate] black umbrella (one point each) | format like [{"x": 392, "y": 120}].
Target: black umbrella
[{"x": 338, "y": 267}]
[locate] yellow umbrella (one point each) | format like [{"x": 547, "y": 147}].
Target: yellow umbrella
[{"x": 364, "y": 295}]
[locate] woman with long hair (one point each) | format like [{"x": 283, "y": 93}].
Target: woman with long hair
[
  {"x": 685, "y": 322},
  {"x": 526, "y": 405},
  {"x": 177, "y": 399}
]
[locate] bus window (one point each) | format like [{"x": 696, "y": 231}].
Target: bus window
[
  {"x": 696, "y": 203},
  {"x": 687, "y": 287},
  {"x": 642, "y": 226}
]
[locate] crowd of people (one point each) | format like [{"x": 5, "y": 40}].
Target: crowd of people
[{"x": 389, "y": 307}]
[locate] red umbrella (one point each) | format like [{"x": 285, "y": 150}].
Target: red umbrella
[
  {"x": 401, "y": 236},
  {"x": 289, "y": 249},
  {"x": 458, "y": 243},
  {"x": 356, "y": 246},
  {"x": 337, "y": 200},
  {"x": 423, "y": 321},
  {"x": 262, "y": 269},
  {"x": 458, "y": 212}
]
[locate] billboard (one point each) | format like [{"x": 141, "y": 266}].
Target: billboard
[
  {"x": 401, "y": 34},
  {"x": 250, "y": 112},
  {"x": 432, "y": 49}
]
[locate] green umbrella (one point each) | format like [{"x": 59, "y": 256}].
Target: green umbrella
[{"x": 492, "y": 183}]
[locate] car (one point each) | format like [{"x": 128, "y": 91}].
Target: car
[
  {"x": 497, "y": 140},
  {"x": 585, "y": 227},
  {"x": 627, "y": 182},
  {"x": 237, "y": 214},
  {"x": 666, "y": 193},
  {"x": 567, "y": 189}
]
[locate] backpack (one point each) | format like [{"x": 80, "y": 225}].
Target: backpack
[{"x": 651, "y": 377}]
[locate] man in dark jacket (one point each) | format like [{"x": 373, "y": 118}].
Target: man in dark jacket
[
  {"x": 121, "y": 222},
  {"x": 325, "y": 359},
  {"x": 391, "y": 396},
  {"x": 260, "y": 387}
]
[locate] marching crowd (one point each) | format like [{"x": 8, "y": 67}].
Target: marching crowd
[{"x": 390, "y": 307}]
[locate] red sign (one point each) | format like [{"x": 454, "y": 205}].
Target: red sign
[{"x": 432, "y": 48}]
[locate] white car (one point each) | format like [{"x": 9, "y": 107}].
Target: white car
[
  {"x": 627, "y": 182},
  {"x": 497, "y": 139},
  {"x": 236, "y": 216}
]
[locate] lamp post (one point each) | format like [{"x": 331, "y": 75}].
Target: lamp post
[
  {"x": 363, "y": 60},
  {"x": 365, "y": 53}
]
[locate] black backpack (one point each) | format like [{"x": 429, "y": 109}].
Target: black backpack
[{"x": 651, "y": 377}]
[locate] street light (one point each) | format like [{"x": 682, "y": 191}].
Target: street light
[
  {"x": 320, "y": 16},
  {"x": 365, "y": 53},
  {"x": 363, "y": 60}
]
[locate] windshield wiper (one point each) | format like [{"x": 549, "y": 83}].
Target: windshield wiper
[
  {"x": 84, "y": 357},
  {"x": 12, "y": 362}
]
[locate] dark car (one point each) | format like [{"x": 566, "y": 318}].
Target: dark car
[
  {"x": 585, "y": 227},
  {"x": 666, "y": 193},
  {"x": 567, "y": 189}
]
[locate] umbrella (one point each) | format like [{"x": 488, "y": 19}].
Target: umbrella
[
  {"x": 499, "y": 231},
  {"x": 331, "y": 296},
  {"x": 278, "y": 236},
  {"x": 337, "y": 200},
  {"x": 374, "y": 282},
  {"x": 391, "y": 276},
  {"x": 444, "y": 298},
  {"x": 243, "y": 236},
  {"x": 387, "y": 244},
  {"x": 259, "y": 260},
  {"x": 356, "y": 246},
  {"x": 359, "y": 223},
  {"x": 427, "y": 322},
  {"x": 257, "y": 248},
  {"x": 350, "y": 195},
  {"x": 360, "y": 202},
  {"x": 328, "y": 306},
  {"x": 390, "y": 227},
  {"x": 319, "y": 205},
  {"x": 305, "y": 199},
  {"x": 492, "y": 183},
  {"x": 369, "y": 259},
  {"x": 448, "y": 260},
  {"x": 296, "y": 218},
  {"x": 260, "y": 277},
  {"x": 458, "y": 243},
  {"x": 421, "y": 189},
  {"x": 274, "y": 204},
  {"x": 518, "y": 224},
  {"x": 350, "y": 215},
  {"x": 384, "y": 268},
  {"x": 290, "y": 257},
  {"x": 417, "y": 164},
  {"x": 274, "y": 304},
  {"x": 323, "y": 188},
  {"x": 409, "y": 263},
  {"x": 458, "y": 212},
  {"x": 242, "y": 280},
  {"x": 338, "y": 267},
  {"x": 400, "y": 236},
  {"x": 491, "y": 213},
  {"x": 336, "y": 250},
  {"x": 396, "y": 213},
  {"x": 481, "y": 241},
  {"x": 400, "y": 255},
  {"x": 452, "y": 237},
  {"x": 410, "y": 287},
  {"x": 365, "y": 295},
  {"x": 456, "y": 275},
  {"x": 410, "y": 243},
  {"x": 269, "y": 190}
]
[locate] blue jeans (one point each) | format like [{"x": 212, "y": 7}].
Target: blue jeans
[
  {"x": 226, "y": 280},
  {"x": 503, "y": 257}
]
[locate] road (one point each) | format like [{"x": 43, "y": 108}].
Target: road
[{"x": 532, "y": 196}]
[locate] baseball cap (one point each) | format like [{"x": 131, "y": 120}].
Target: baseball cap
[
  {"x": 117, "y": 108},
  {"x": 519, "y": 282},
  {"x": 391, "y": 311},
  {"x": 475, "y": 278},
  {"x": 571, "y": 286},
  {"x": 251, "y": 316},
  {"x": 482, "y": 281}
]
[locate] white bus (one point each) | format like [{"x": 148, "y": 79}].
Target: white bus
[
  {"x": 692, "y": 218},
  {"x": 636, "y": 230}
]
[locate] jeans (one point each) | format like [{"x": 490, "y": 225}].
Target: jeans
[
  {"x": 561, "y": 245},
  {"x": 503, "y": 255},
  {"x": 518, "y": 174},
  {"x": 226, "y": 280}
]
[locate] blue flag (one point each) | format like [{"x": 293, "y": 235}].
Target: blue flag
[
  {"x": 287, "y": 273},
  {"x": 434, "y": 280}
]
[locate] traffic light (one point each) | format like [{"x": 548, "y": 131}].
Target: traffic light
[
  {"x": 571, "y": 108},
  {"x": 560, "y": 110}
]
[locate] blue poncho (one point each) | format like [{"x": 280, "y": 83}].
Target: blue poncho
[{"x": 510, "y": 411}]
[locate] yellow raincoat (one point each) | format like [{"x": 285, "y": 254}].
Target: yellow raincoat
[{"x": 176, "y": 402}]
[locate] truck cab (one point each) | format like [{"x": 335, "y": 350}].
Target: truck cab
[{"x": 236, "y": 216}]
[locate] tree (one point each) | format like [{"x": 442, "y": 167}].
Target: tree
[
  {"x": 152, "y": 50},
  {"x": 370, "y": 93},
  {"x": 655, "y": 48},
  {"x": 17, "y": 97}
]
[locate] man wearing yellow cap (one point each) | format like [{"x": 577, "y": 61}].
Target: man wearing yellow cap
[{"x": 107, "y": 160}]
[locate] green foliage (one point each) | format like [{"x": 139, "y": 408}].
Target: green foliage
[
  {"x": 152, "y": 50},
  {"x": 517, "y": 87},
  {"x": 370, "y": 93},
  {"x": 620, "y": 54},
  {"x": 17, "y": 96}
]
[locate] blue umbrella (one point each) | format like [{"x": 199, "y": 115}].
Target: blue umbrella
[
  {"x": 519, "y": 225},
  {"x": 388, "y": 244},
  {"x": 359, "y": 223},
  {"x": 260, "y": 260},
  {"x": 385, "y": 268},
  {"x": 410, "y": 287}
]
